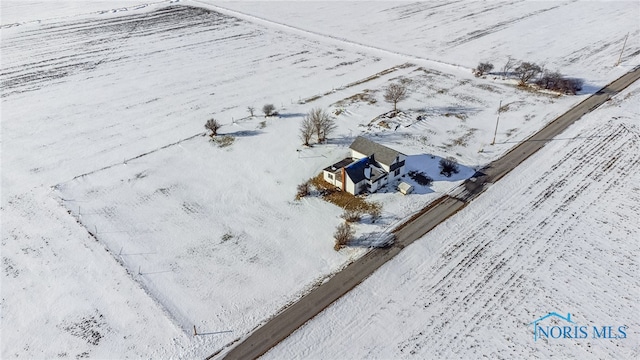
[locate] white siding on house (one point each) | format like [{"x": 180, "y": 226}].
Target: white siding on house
[
  {"x": 375, "y": 186},
  {"x": 328, "y": 178},
  {"x": 384, "y": 166},
  {"x": 371, "y": 167},
  {"x": 399, "y": 171},
  {"x": 351, "y": 188},
  {"x": 360, "y": 187},
  {"x": 357, "y": 155}
]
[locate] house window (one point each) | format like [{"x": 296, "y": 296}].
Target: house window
[
  {"x": 331, "y": 176},
  {"x": 397, "y": 172}
]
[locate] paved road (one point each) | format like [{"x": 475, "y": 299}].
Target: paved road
[
  {"x": 517, "y": 155},
  {"x": 286, "y": 322}
]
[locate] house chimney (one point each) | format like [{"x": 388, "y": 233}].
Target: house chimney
[{"x": 344, "y": 177}]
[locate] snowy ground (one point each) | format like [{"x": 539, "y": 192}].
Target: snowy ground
[
  {"x": 103, "y": 105},
  {"x": 467, "y": 32},
  {"x": 560, "y": 236}
]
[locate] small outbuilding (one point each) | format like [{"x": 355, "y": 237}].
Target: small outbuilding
[{"x": 405, "y": 188}]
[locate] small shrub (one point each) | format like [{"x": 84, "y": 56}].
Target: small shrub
[
  {"x": 483, "y": 68},
  {"x": 351, "y": 216},
  {"x": 304, "y": 189},
  {"x": 572, "y": 85},
  {"x": 263, "y": 124},
  {"x": 549, "y": 80},
  {"x": 268, "y": 109},
  {"x": 420, "y": 177},
  {"x": 224, "y": 141},
  {"x": 461, "y": 141},
  {"x": 213, "y": 125},
  {"x": 448, "y": 167},
  {"x": 344, "y": 234},
  {"x": 226, "y": 237},
  {"x": 384, "y": 124}
]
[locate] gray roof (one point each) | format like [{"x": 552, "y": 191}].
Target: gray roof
[{"x": 381, "y": 153}]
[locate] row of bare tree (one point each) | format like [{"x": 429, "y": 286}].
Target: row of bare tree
[
  {"x": 317, "y": 121},
  {"x": 527, "y": 72}
]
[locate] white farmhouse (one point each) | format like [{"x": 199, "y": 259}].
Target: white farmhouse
[{"x": 369, "y": 167}]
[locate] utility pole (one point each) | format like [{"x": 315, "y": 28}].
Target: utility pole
[
  {"x": 621, "y": 51},
  {"x": 497, "y": 120}
]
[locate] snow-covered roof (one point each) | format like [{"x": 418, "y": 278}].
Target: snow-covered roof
[{"x": 404, "y": 187}]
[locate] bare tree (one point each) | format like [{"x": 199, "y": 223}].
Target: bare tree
[
  {"x": 322, "y": 122},
  {"x": 306, "y": 130},
  {"x": 268, "y": 109},
  {"x": 351, "y": 216},
  {"x": 213, "y": 125},
  {"x": 483, "y": 68},
  {"x": 550, "y": 80},
  {"x": 344, "y": 234},
  {"x": 525, "y": 71},
  {"x": 556, "y": 82},
  {"x": 251, "y": 110},
  {"x": 303, "y": 190},
  {"x": 448, "y": 166},
  {"x": 542, "y": 71},
  {"x": 511, "y": 62},
  {"x": 327, "y": 127},
  {"x": 395, "y": 93},
  {"x": 572, "y": 85}
]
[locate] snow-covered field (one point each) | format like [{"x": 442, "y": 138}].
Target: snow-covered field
[
  {"x": 559, "y": 234},
  {"x": 467, "y": 32},
  {"x": 103, "y": 148}
]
